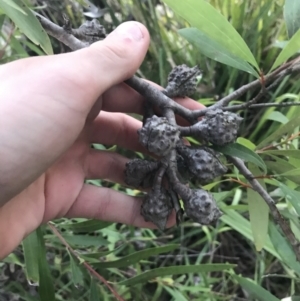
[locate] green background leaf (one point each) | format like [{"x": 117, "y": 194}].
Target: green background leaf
[
  {"x": 254, "y": 289},
  {"x": 283, "y": 248},
  {"x": 13, "y": 5},
  {"x": 291, "y": 14},
  {"x": 28, "y": 24},
  {"x": 292, "y": 47},
  {"x": 85, "y": 226},
  {"x": 135, "y": 257},
  {"x": 242, "y": 152},
  {"x": 214, "y": 50},
  {"x": 258, "y": 211},
  {"x": 31, "y": 253},
  {"x": 175, "y": 270},
  {"x": 46, "y": 286},
  {"x": 282, "y": 130},
  {"x": 203, "y": 16}
]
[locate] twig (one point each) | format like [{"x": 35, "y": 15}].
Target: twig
[
  {"x": 279, "y": 72},
  {"x": 270, "y": 202},
  {"x": 261, "y": 105},
  {"x": 221, "y": 104},
  {"x": 86, "y": 265},
  {"x": 60, "y": 34},
  {"x": 157, "y": 98}
]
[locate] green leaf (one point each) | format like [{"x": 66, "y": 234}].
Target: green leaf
[
  {"x": 254, "y": 289},
  {"x": 28, "y": 24},
  {"x": 258, "y": 211},
  {"x": 278, "y": 116},
  {"x": 46, "y": 287},
  {"x": 214, "y": 50},
  {"x": 291, "y": 195},
  {"x": 281, "y": 131},
  {"x": 85, "y": 240},
  {"x": 14, "y": 259},
  {"x": 242, "y": 225},
  {"x": 77, "y": 276},
  {"x": 291, "y": 12},
  {"x": 293, "y": 172},
  {"x": 247, "y": 143},
  {"x": 288, "y": 153},
  {"x": 175, "y": 270},
  {"x": 31, "y": 253},
  {"x": 292, "y": 47},
  {"x": 207, "y": 19},
  {"x": 242, "y": 152},
  {"x": 280, "y": 166},
  {"x": 283, "y": 248},
  {"x": 136, "y": 257},
  {"x": 175, "y": 293},
  {"x": 86, "y": 226},
  {"x": 94, "y": 293},
  {"x": 13, "y": 5}
]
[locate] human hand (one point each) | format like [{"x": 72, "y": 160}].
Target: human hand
[{"x": 49, "y": 117}]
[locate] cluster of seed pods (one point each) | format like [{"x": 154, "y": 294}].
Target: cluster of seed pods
[{"x": 167, "y": 178}]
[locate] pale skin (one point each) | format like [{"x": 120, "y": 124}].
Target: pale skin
[{"x": 49, "y": 117}]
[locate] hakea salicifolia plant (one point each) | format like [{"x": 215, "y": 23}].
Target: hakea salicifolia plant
[{"x": 179, "y": 163}]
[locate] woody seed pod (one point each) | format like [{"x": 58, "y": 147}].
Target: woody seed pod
[
  {"x": 157, "y": 207},
  {"x": 218, "y": 127},
  {"x": 203, "y": 164},
  {"x": 201, "y": 207},
  {"x": 140, "y": 173},
  {"x": 182, "y": 81},
  {"x": 158, "y": 136}
]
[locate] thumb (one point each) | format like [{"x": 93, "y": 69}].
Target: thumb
[{"x": 116, "y": 58}]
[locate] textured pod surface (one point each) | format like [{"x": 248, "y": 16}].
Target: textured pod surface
[
  {"x": 218, "y": 127},
  {"x": 202, "y": 164},
  {"x": 158, "y": 136},
  {"x": 182, "y": 81},
  {"x": 201, "y": 207},
  {"x": 140, "y": 173},
  {"x": 156, "y": 208},
  {"x": 183, "y": 170}
]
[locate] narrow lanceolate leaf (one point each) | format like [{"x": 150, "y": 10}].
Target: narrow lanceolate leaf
[
  {"x": 291, "y": 16},
  {"x": 31, "y": 253},
  {"x": 291, "y": 195},
  {"x": 94, "y": 292},
  {"x": 46, "y": 287},
  {"x": 85, "y": 226},
  {"x": 135, "y": 257},
  {"x": 28, "y": 23},
  {"x": 281, "y": 166},
  {"x": 207, "y": 19},
  {"x": 175, "y": 270},
  {"x": 285, "y": 129},
  {"x": 242, "y": 152},
  {"x": 292, "y": 47},
  {"x": 258, "y": 211},
  {"x": 283, "y": 248},
  {"x": 214, "y": 50},
  {"x": 239, "y": 223},
  {"x": 13, "y": 5},
  {"x": 294, "y": 153},
  {"x": 254, "y": 289},
  {"x": 77, "y": 276}
]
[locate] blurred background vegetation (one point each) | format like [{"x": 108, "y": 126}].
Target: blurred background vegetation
[{"x": 106, "y": 246}]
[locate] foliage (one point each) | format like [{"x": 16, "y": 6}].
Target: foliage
[{"x": 239, "y": 41}]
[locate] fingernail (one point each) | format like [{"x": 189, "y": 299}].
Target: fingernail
[{"x": 131, "y": 30}]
